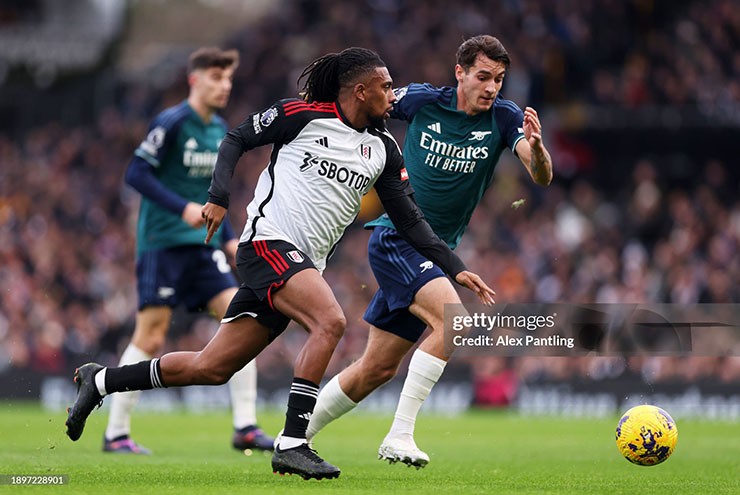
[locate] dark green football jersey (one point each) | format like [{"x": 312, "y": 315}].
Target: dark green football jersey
[
  {"x": 182, "y": 149},
  {"x": 450, "y": 156}
]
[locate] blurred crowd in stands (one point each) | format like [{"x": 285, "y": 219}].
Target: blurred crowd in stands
[{"x": 67, "y": 290}]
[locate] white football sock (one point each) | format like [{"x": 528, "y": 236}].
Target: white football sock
[
  {"x": 331, "y": 404},
  {"x": 243, "y": 389},
  {"x": 290, "y": 442},
  {"x": 424, "y": 371},
  {"x": 100, "y": 382},
  {"x": 119, "y": 420}
]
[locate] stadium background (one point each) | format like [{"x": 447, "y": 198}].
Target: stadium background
[{"x": 640, "y": 102}]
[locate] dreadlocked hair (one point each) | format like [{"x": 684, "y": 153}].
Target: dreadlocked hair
[{"x": 326, "y": 75}]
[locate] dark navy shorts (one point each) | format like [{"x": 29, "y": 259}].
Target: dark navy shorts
[
  {"x": 264, "y": 266},
  {"x": 400, "y": 271},
  {"x": 189, "y": 275}
]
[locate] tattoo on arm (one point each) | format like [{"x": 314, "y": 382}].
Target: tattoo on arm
[{"x": 541, "y": 166}]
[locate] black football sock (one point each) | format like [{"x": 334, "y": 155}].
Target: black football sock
[
  {"x": 145, "y": 375},
  {"x": 301, "y": 402}
]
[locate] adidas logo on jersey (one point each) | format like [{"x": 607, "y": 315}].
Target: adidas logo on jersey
[
  {"x": 436, "y": 127},
  {"x": 323, "y": 141},
  {"x": 191, "y": 144}
]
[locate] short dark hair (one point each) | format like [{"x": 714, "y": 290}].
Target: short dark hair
[
  {"x": 326, "y": 75},
  {"x": 211, "y": 56},
  {"x": 487, "y": 45}
]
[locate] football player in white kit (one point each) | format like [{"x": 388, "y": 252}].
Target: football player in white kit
[{"x": 328, "y": 150}]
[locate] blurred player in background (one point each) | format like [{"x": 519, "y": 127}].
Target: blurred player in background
[
  {"x": 172, "y": 170},
  {"x": 454, "y": 140},
  {"x": 328, "y": 151}
]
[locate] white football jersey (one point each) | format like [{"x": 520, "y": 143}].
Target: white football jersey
[{"x": 319, "y": 169}]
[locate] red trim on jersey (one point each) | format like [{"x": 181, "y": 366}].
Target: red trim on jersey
[
  {"x": 301, "y": 106},
  {"x": 308, "y": 109},
  {"x": 336, "y": 111},
  {"x": 314, "y": 104},
  {"x": 293, "y": 104}
]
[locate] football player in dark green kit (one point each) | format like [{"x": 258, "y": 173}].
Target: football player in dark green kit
[
  {"x": 454, "y": 139},
  {"x": 172, "y": 170}
]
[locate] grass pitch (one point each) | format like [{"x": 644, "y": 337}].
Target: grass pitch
[{"x": 479, "y": 452}]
